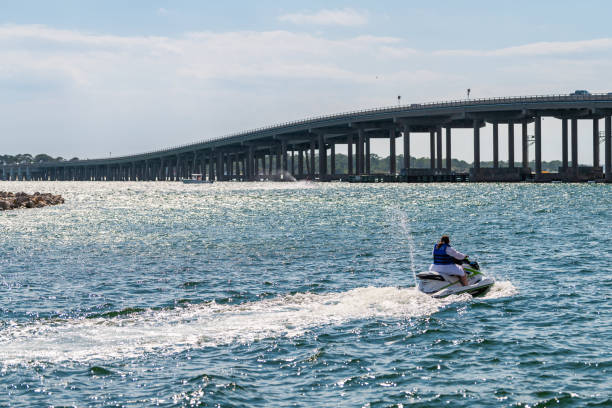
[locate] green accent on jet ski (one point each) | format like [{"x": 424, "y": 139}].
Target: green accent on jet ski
[{"x": 471, "y": 272}]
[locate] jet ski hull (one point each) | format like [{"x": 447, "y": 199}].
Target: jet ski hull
[
  {"x": 439, "y": 286},
  {"x": 477, "y": 289}
]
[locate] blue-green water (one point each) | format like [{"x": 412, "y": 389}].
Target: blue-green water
[{"x": 299, "y": 294}]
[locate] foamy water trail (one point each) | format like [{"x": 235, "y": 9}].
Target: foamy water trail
[{"x": 211, "y": 324}]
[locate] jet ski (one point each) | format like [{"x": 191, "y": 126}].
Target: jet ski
[{"x": 439, "y": 285}]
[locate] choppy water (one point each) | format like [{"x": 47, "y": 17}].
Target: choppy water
[{"x": 301, "y": 294}]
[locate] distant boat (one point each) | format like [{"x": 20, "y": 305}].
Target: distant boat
[{"x": 197, "y": 179}]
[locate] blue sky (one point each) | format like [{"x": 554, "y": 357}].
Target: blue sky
[{"x": 89, "y": 78}]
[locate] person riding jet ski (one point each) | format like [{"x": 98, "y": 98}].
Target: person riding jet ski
[{"x": 445, "y": 260}]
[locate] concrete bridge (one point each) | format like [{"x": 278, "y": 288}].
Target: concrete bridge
[{"x": 307, "y": 148}]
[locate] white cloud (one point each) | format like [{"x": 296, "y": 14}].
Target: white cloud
[
  {"x": 344, "y": 17},
  {"x": 76, "y": 93},
  {"x": 535, "y": 49},
  {"x": 162, "y": 11}
]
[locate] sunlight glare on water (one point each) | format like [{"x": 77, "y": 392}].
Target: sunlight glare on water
[{"x": 283, "y": 294}]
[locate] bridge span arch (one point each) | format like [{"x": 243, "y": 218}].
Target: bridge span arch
[{"x": 306, "y": 148}]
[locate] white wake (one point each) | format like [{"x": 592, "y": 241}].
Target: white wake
[{"x": 211, "y": 324}]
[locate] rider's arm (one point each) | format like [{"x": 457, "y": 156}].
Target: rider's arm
[{"x": 454, "y": 253}]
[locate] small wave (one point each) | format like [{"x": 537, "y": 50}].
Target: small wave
[
  {"x": 115, "y": 313},
  {"x": 501, "y": 289},
  {"x": 131, "y": 333}
]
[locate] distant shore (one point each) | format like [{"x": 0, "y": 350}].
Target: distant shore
[{"x": 12, "y": 201}]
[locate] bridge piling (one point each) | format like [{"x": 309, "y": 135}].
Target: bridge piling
[
  {"x": 575, "y": 147},
  {"x": 439, "y": 148},
  {"x": 525, "y": 145},
  {"x": 538, "y": 146},
  {"x": 332, "y": 160},
  {"x": 476, "y": 145},
  {"x": 449, "y": 156},
  {"x": 564, "y": 146},
  {"x": 608, "y": 148},
  {"x": 392, "y": 158},
  {"x": 368, "y": 156},
  {"x": 349, "y": 146},
  {"x": 495, "y": 145},
  {"x": 596, "y": 142},
  {"x": 432, "y": 150},
  {"x": 406, "y": 147}
]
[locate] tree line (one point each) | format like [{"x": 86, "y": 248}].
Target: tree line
[{"x": 27, "y": 158}]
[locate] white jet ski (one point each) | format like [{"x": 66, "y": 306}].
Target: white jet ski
[{"x": 439, "y": 285}]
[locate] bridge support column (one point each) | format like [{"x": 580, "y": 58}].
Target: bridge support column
[
  {"x": 476, "y": 144},
  {"x": 194, "y": 164},
  {"x": 312, "y": 158},
  {"x": 203, "y": 168},
  {"x": 229, "y": 166},
  {"x": 223, "y": 169},
  {"x": 285, "y": 164},
  {"x": 250, "y": 167},
  {"x": 322, "y": 156},
  {"x": 368, "y": 156},
  {"x": 432, "y": 149},
  {"x": 349, "y": 146},
  {"x": 359, "y": 150},
  {"x": 538, "y": 146},
  {"x": 575, "y": 147},
  {"x": 595, "y": 142},
  {"x": 237, "y": 161},
  {"x": 564, "y": 149},
  {"x": 608, "y": 148},
  {"x": 278, "y": 160},
  {"x": 525, "y": 145},
  {"x": 406, "y": 147},
  {"x": 292, "y": 172},
  {"x": 332, "y": 159},
  {"x": 449, "y": 156},
  {"x": 301, "y": 162},
  {"x": 211, "y": 166},
  {"x": 439, "y": 148},
  {"x": 511, "y": 144},
  {"x": 218, "y": 167},
  {"x": 256, "y": 167},
  {"x": 495, "y": 145},
  {"x": 392, "y": 157}
]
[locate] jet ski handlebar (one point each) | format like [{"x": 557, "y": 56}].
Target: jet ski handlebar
[{"x": 465, "y": 260}]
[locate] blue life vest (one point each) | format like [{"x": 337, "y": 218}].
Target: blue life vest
[{"x": 440, "y": 257}]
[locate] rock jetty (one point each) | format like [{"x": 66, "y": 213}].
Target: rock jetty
[{"x": 11, "y": 201}]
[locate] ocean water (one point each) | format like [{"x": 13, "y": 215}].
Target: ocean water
[{"x": 302, "y": 294}]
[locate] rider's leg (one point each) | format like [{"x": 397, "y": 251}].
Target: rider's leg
[{"x": 463, "y": 278}]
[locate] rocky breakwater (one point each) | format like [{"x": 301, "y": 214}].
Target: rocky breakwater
[{"x": 11, "y": 201}]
